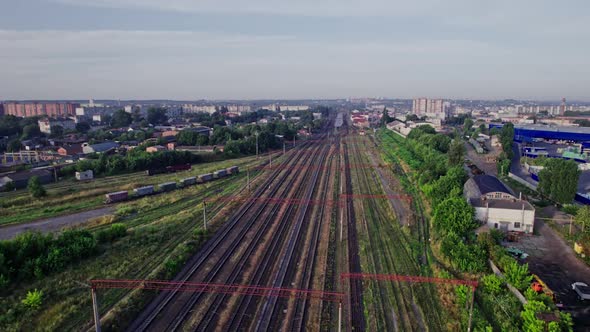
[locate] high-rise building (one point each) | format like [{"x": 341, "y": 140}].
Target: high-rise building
[
  {"x": 431, "y": 108},
  {"x": 31, "y": 109}
]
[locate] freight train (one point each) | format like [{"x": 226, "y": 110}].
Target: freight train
[
  {"x": 121, "y": 196},
  {"x": 168, "y": 169}
]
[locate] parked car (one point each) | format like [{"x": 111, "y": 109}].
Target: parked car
[{"x": 582, "y": 289}]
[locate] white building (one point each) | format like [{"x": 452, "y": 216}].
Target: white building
[
  {"x": 431, "y": 108},
  {"x": 239, "y": 109},
  {"x": 497, "y": 207},
  {"x": 189, "y": 108},
  {"x": 46, "y": 125},
  {"x": 288, "y": 108}
]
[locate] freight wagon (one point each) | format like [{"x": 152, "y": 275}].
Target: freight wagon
[
  {"x": 233, "y": 170},
  {"x": 118, "y": 196},
  {"x": 205, "y": 177},
  {"x": 176, "y": 168},
  {"x": 168, "y": 186},
  {"x": 147, "y": 190},
  {"x": 154, "y": 171},
  {"x": 188, "y": 181},
  {"x": 220, "y": 174}
]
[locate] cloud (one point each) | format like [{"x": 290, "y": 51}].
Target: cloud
[
  {"x": 194, "y": 65},
  {"x": 281, "y": 7}
]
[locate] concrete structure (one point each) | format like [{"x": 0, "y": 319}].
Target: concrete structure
[
  {"x": 47, "y": 125},
  {"x": 21, "y": 179},
  {"x": 86, "y": 175},
  {"x": 496, "y": 206},
  {"x": 99, "y": 148},
  {"x": 30, "y": 109}
]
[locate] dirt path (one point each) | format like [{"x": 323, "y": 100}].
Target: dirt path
[{"x": 53, "y": 224}]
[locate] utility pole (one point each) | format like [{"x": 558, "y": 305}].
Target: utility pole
[
  {"x": 471, "y": 309},
  {"x": 248, "y": 177},
  {"x": 571, "y": 222},
  {"x": 270, "y": 158},
  {"x": 95, "y": 310},
  {"x": 283, "y": 147},
  {"x": 256, "y": 144},
  {"x": 205, "y": 215},
  {"x": 340, "y": 317}
]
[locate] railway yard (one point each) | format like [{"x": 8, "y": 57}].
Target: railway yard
[
  {"x": 294, "y": 221},
  {"x": 301, "y": 229}
]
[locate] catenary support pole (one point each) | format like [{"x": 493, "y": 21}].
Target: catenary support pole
[
  {"x": 95, "y": 309},
  {"x": 248, "y": 177},
  {"x": 204, "y": 215}
]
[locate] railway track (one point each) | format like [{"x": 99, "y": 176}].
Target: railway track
[
  {"x": 288, "y": 263},
  {"x": 155, "y": 317},
  {"x": 239, "y": 312},
  {"x": 356, "y": 307}
]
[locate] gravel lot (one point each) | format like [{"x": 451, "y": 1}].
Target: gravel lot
[{"x": 557, "y": 265}]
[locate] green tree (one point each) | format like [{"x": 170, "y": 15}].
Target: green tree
[
  {"x": 136, "y": 115},
  {"x": 385, "y": 118},
  {"x": 33, "y": 300},
  {"x": 506, "y": 138},
  {"x": 456, "y": 152},
  {"x": 559, "y": 180},
  {"x": 157, "y": 116},
  {"x": 467, "y": 125},
  {"x": 14, "y": 145},
  {"x": 35, "y": 188},
  {"x": 583, "y": 217},
  {"x": 30, "y": 131},
  {"x": 120, "y": 119},
  {"x": 57, "y": 131},
  {"x": 448, "y": 185},
  {"x": 82, "y": 127},
  {"x": 454, "y": 215}
]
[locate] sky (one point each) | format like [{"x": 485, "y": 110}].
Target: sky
[{"x": 263, "y": 49}]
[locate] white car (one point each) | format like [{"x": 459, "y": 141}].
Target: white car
[{"x": 582, "y": 289}]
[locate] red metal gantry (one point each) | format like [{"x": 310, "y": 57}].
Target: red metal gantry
[{"x": 186, "y": 286}]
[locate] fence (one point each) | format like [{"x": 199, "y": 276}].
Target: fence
[{"x": 522, "y": 181}]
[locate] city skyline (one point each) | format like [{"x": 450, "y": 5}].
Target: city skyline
[{"x": 186, "y": 50}]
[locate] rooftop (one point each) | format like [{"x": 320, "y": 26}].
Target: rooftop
[
  {"x": 488, "y": 184},
  {"x": 502, "y": 204}
]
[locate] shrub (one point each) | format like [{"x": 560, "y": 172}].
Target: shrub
[
  {"x": 35, "y": 188},
  {"x": 518, "y": 275},
  {"x": 33, "y": 300},
  {"x": 115, "y": 231},
  {"x": 492, "y": 284},
  {"x": 125, "y": 210}
]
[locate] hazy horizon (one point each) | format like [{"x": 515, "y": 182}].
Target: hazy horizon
[{"x": 232, "y": 50}]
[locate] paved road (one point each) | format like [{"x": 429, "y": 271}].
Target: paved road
[{"x": 53, "y": 224}]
